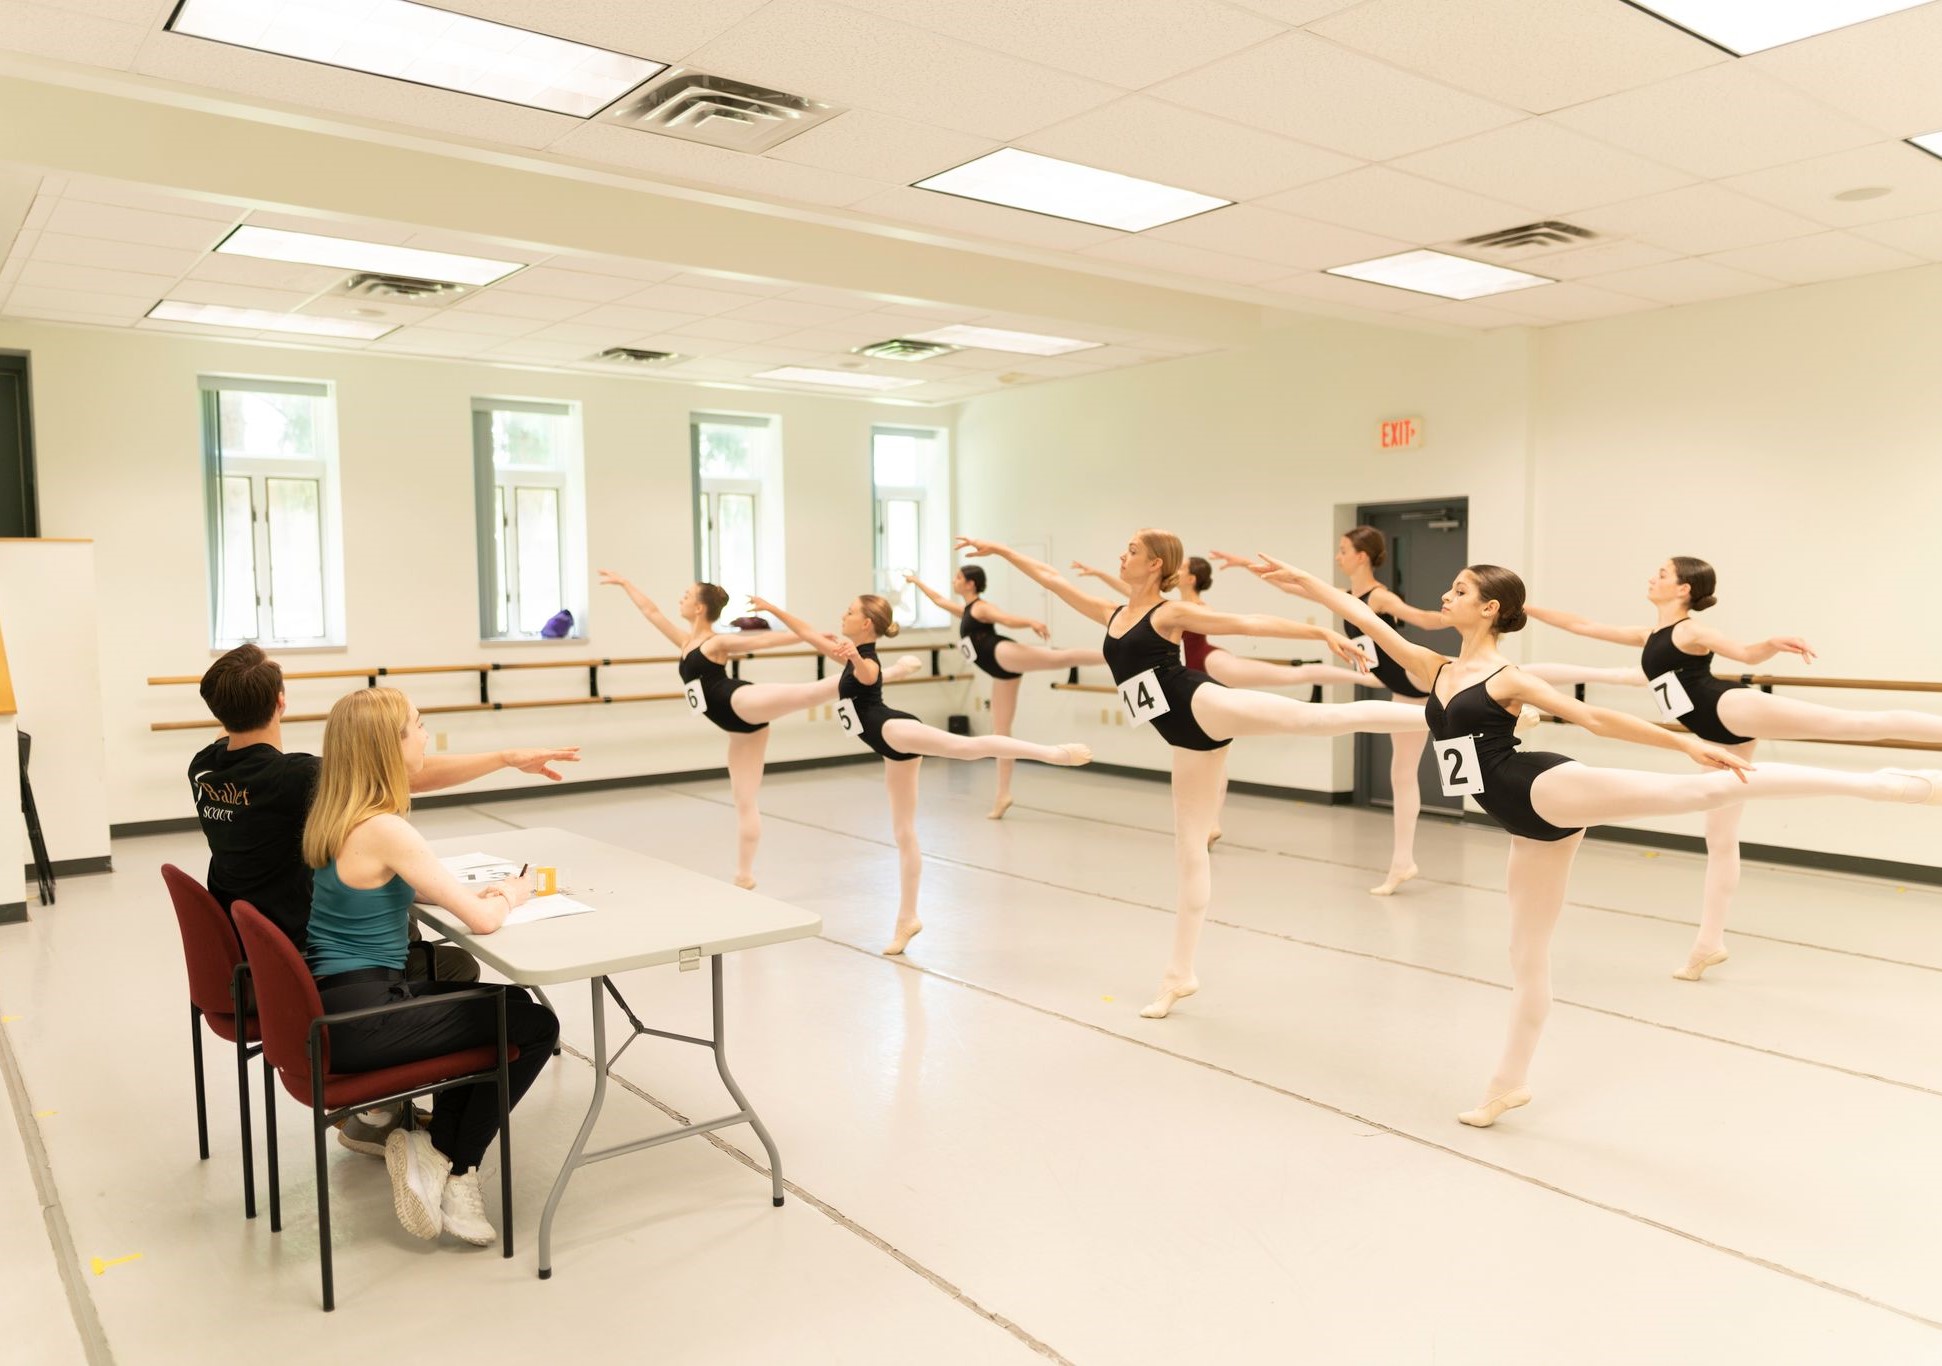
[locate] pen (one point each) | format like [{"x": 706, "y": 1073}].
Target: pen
[{"x": 522, "y": 870}]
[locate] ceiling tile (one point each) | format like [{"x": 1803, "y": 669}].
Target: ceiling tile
[
  {"x": 645, "y": 271},
  {"x": 1696, "y": 220},
  {"x": 549, "y": 352},
  {"x": 728, "y": 329},
  {"x": 1381, "y": 200},
  {"x": 1264, "y": 235},
  {"x": 1921, "y": 235},
  {"x": 467, "y": 244},
  {"x": 1174, "y": 145},
  {"x": 713, "y": 367},
  {"x": 1152, "y": 254},
  {"x": 1483, "y": 316},
  {"x": 356, "y": 229},
  {"x": 881, "y": 147},
  {"x": 522, "y": 305},
  {"x": 848, "y": 336},
  {"x": 397, "y": 312},
  {"x": 1336, "y": 289},
  {"x": 1603, "y": 257},
  {"x": 250, "y": 270},
  {"x": 919, "y": 311},
  {"x": 25, "y": 297},
  {"x": 770, "y": 354},
  {"x": 1681, "y": 282},
  {"x": 237, "y": 296},
  {"x": 1718, "y": 122},
  {"x": 1572, "y": 302},
  {"x": 1913, "y": 177},
  {"x": 1535, "y": 57},
  {"x": 1304, "y": 87},
  {"x": 665, "y": 31},
  {"x": 1824, "y": 256},
  {"x": 831, "y": 52},
  {"x": 134, "y": 225},
  {"x": 555, "y": 283},
  {"x": 587, "y": 336},
  {"x": 43, "y": 313},
  {"x": 1538, "y": 162},
  {"x": 673, "y": 298},
  {"x": 47, "y": 31},
  {"x": 1129, "y": 43},
  {"x": 667, "y": 158},
  {"x": 632, "y": 319},
  {"x": 133, "y": 284},
  {"x": 99, "y": 251},
  {"x": 733, "y": 284},
  {"x": 431, "y": 342},
  {"x": 480, "y": 324},
  {"x": 795, "y": 316},
  {"x": 92, "y": 191},
  {"x": 982, "y": 220},
  {"x": 1296, "y": 12},
  {"x": 1882, "y": 71}
]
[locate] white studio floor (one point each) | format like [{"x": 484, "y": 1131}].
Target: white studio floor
[{"x": 992, "y": 1159}]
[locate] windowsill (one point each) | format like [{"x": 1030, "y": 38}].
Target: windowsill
[
  {"x": 503, "y": 641},
  {"x": 217, "y": 651}
]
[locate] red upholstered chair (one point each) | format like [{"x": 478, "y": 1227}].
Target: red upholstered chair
[
  {"x": 218, "y": 996},
  {"x": 296, "y": 1041}
]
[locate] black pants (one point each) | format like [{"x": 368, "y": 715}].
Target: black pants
[{"x": 466, "y": 1118}]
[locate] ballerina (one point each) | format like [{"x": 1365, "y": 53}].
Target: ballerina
[
  {"x": 1195, "y": 715},
  {"x": 1677, "y": 655},
  {"x": 1004, "y": 660},
  {"x": 899, "y": 737},
  {"x": 1546, "y": 800}
]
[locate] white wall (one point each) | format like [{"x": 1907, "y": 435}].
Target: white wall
[{"x": 119, "y": 447}]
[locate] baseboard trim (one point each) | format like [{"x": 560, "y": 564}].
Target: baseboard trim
[
  {"x": 78, "y": 867},
  {"x": 13, "y": 913},
  {"x": 1293, "y": 794}
]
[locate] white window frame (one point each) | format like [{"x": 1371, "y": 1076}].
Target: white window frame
[
  {"x": 765, "y": 493},
  {"x": 321, "y": 467},
  {"x": 911, "y": 608},
  {"x": 496, "y": 490}
]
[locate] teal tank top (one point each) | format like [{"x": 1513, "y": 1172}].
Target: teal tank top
[{"x": 357, "y": 927}]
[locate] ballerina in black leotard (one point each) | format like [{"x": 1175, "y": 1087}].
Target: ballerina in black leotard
[
  {"x": 1545, "y": 800},
  {"x": 899, "y": 737},
  {"x": 1195, "y": 715},
  {"x": 1676, "y": 659},
  {"x": 1000, "y": 658}
]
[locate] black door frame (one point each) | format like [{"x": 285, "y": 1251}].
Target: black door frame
[{"x": 18, "y": 363}]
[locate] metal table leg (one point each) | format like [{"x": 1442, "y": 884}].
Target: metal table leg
[
  {"x": 586, "y": 1130},
  {"x": 720, "y": 1051}
]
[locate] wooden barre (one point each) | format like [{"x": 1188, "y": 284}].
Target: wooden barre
[{"x": 1796, "y": 681}]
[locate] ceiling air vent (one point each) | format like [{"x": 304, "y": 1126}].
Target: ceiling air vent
[
  {"x": 371, "y": 285},
  {"x": 697, "y": 107},
  {"x": 628, "y": 355},
  {"x": 905, "y": 348},
  {"x": 1543, "y": 236}
]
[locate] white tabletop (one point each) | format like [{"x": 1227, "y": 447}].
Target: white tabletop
[{"x": 646, "y": 911}]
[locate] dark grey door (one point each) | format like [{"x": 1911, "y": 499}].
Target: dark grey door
[
  {"x": 1428, "y": 543},
  {"x": 19, "y": 513}
]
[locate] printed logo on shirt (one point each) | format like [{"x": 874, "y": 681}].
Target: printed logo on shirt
[{"x": 222, "y": 799}]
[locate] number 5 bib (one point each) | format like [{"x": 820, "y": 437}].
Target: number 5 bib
[
  {"x": 847, "y": 718},
  {"x": 1144, "y": 698},
  {"x": 1457, "y": 768}
]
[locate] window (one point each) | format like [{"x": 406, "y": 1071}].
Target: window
[
  {"x": 532, "y": 517},
  {"x": 270, "y": 464},
  {"x": 738, "y": 505},
  {"x": 913, "y": 524}
]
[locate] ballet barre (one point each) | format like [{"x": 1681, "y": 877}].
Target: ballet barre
[{"x": 1768, "y": 682}]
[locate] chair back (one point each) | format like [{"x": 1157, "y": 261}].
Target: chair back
[
  {"x": 286, "y": 998},
  {"x": 210, "y": 949}
]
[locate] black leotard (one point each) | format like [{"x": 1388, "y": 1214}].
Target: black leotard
[
  {"x": 1387, "y": 671},
  {"x": 1695, "y": 674},
  {"x": 871, "y": 713},
  {"x": 716, "y": 688},
  {"x": 1507, "y": 772},
  {"x": 1144, "y": 648},
  {"x": 984, "y": 640}
]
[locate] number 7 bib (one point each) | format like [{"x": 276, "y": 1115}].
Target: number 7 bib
[
  {"x": 1671, "y": 695},
  {"x": 1144, "y": 698},
  {"x": 1457, "y": 768}
]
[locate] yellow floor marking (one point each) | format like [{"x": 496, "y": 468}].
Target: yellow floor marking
[{"x": 98, "y": 1266}]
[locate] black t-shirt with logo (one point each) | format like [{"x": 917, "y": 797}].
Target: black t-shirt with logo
[{"x": 252, "y": 803}]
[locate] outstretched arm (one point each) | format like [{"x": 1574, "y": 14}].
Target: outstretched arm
[
  {"x": 748, "y": 642},
  {"x": 1016, "y": 623},
  {"x": 655, "y": 616},
  {"x": 1192, "y": 616},
  {"x": 481, "y": 909},
  {"x": 1112, "y": 581},
  {"x": 449, "y": 770},
  {"x": 1616, "y": 725},
  {"x": 1099, "y": 609},
  {"x": 1754, "y": 652},
  {"x": 1386, "y": 601},
  {"x": 816, "y": 640},
  {"x": 944, "y": 604},
  {"x": 1579, "y": 626},
  {"x": 1419, "y": 661}
]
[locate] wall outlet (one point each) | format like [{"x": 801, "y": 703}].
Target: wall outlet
[{"x": 1119, "y": 718}]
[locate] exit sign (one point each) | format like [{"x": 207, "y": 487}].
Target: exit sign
[{"x": 1404, "y": 434}]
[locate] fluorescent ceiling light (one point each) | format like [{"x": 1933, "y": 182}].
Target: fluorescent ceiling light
[
  {"x": 268, "y": 320},
  {"x": 425, "y": 46},
  {"x": 998, "y": 339},
  {"x": 1743, "y": 27},
  {"x": 837, "y": 379},
  {"x": 314, "y": 249},
  {"x": 1441, "y": 274},
  {"x": 1065, "y": 189},
  {"x": 1930, "y": 143}
]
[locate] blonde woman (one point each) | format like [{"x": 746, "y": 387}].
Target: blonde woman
[
  {"x": 370, "y": 865},
  {"x": 899, "y": 737}
]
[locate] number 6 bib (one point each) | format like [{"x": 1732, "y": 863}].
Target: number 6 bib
[
  {"x": 1457, "y": 768},
  {"x": 1671, "y": 695},
  {"x": 697, "y": 699},
  {"x": 1144, "y": 698}
]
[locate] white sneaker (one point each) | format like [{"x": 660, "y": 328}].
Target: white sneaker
[
  {"x": 418, "y": 1179},
  {"x": 463, "y": 1208}
]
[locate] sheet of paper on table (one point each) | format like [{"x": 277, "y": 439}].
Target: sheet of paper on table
[
  {"x": 547, "y": 908},
  {"x": 480, "y": 867}
]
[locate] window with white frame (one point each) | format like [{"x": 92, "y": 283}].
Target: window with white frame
[
  {"x": 910, "y": 472},
  {"x": 531, "y": 518},
  {"x": 275, "y": 537},
  {"x": 738, "y": 505}
]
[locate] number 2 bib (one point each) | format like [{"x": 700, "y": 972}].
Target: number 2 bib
[
  {"x": 1457, "y": 768},
  {"x": 1144, "y": 698},
  {"x": 697, "y": 699},
  {"x": 1671, "y": 695},
  {"x": 1366, "y": 646}
]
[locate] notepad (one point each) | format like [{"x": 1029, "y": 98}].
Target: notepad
[{"x": 547, "y": 908}]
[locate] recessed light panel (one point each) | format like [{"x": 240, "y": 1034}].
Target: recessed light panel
[
  {"x": 266, "y": 320},
  {"x": 1441, "y": 274},
  {"x": 1928, "y": 142},
  {"x": 425, "y": 46},
  {"x": 1743, "y": 27},
  {"x": 314, "y": 249},
  {"x": 836, "y": 379},
  {"x": 998, "y": 339},
  {"x": 1065, "y": 189}
]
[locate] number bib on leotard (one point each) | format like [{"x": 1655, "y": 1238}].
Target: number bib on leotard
[
  {"x": 1456, "y": 767},
  {"x": 847, "y": 718},
  {"x": 1144, "y": 698},
  {"x": 967, "y": 649},
  {"x": 1366, "y": 646},
  {"x": 1671, "y": 696},
  {"x": 697, "y": 699}
]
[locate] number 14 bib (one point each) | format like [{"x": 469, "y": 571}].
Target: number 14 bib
[{"x": 1144, "y": 697}]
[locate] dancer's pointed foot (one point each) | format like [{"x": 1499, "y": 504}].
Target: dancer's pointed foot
[
  {"x": 1075, "y": 756},
  {"x": 745, "y": 882},
  {"x": 1487, "y": 1114},
  {"x": 1698, "y": 962},
  {"x": 1170, "y": 994},
  {"x": 999, "y": 808},
  {"x": 1397, "y": 877},
  {"x": 906, "y": 931},
  {"x": 1912, "y": 787},
  {"x": 903, "y": 668}
]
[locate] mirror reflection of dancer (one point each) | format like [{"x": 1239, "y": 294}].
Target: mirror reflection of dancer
[
  {"x": 1546, "y": 800},
  {"x": 1195, "y": 715},
  {"x": 736, "y": 706},
  {"x": 899, "y": 737},
  {"x": 1004, "y": 660},
  {"x": 1676, "y": 659}
]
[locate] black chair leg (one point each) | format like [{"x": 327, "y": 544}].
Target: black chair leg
[
  {"x": 242, "y": 1111},
  {"x": 269, "y": 1142},
  {"x": 202, "y": 1104},
  {"x": 505, "y": 1153},
  {"x": 317, "y": 1127}
]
